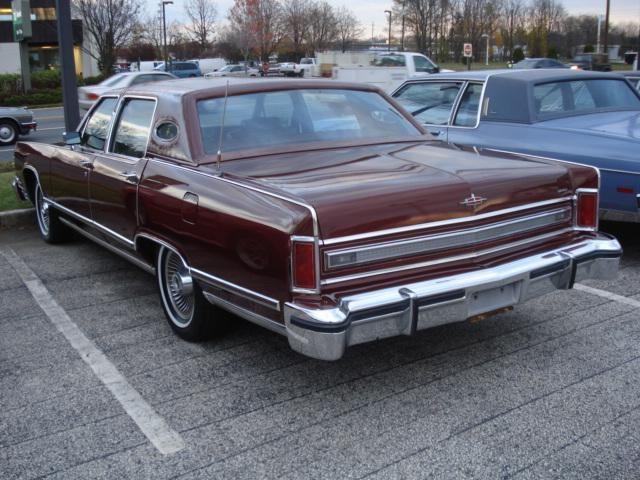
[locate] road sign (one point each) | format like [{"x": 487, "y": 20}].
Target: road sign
[
  {"x": 467, "y": 50},
  {"x": 21, "y": 13}
]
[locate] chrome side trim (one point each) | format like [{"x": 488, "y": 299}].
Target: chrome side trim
[
  {"x": 454, "y": 221},
  {"x": 458, "y": 238},
  {"x": 126, "y": 255},
  {"x": 94, "y": 224},
  {"x": 246, "y": 314},
  {"x": 467, "y": 256},
  {"x": 246, "y": 293},
  {"x": 308, "y": 207}
]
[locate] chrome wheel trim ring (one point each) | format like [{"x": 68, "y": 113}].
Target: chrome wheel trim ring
[
  {"x": 7, "y": 133},
  {"x": 42, "y": 210},
  {"x": 176, "y": 286}
]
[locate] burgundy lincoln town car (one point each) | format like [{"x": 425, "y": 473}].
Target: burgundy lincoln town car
[{"x": 320, "y": 210}]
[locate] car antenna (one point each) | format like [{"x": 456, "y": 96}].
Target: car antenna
[{"x": 224, "y": 112}]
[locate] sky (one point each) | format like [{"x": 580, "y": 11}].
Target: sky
[{"x": 372, "y": 11}]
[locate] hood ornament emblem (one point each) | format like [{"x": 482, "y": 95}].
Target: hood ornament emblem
[{"x": 473, "y": 201}]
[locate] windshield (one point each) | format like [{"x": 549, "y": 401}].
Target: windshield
[
  {"x": 226, "y": 69},
  {"x": 306, "y": 61},
  {"x": 299, "y": 116},
  {"x": 583, "y": 96},
  {"x": 525, "y": 64},
  {"x": 118, "y": 79}
]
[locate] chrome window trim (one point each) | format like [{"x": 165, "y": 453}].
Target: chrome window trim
[
  {"x": 308, "y": 207},
  {"x": 467, "y": 240},
  {"x": 468, "y": 256},
  {"x": 453, "y": 221},
  {"x": 116, "y": 118}
]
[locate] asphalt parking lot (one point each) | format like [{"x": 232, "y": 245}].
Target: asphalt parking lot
[
  {"x": 50, "y": 128},
  {"x": 549, "y": 390}
]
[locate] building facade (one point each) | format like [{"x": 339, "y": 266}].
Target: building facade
[{"x": 43, "y": 44}]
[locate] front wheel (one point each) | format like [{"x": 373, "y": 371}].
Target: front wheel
[
  {"x": 189, "y": 314},
  {"x": 52, "y": 230},
  {"x": 8, "y": 132}
]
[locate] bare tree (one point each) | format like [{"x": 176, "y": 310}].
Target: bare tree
[
  {"x": 110, "y": 25},
  {"x": 202, "y": 16},
  {"x": 321, "y": 29},
  {"x": 256, "y": 26},
  {"x": 295, "y": 17},
  {"x": 348, "y": 28},
  {"x": 544, "y": 17},
  {"x": 514, "y": 13}
]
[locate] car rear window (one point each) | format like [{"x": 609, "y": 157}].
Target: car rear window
[
  {"x": 298, "y": 116},
  {"x": 582, "y": 96}
]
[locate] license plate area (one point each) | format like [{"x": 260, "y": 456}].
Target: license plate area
[{"x": 484, "y": 301}]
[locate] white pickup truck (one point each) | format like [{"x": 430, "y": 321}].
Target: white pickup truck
[
  {"x": 304, "y": 67},
  {"x": 385, "y": 70}
]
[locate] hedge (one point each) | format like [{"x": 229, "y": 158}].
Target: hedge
[{"x": 34, "y": 97}]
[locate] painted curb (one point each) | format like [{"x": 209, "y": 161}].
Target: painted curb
[{"x": 17, "y": 218}]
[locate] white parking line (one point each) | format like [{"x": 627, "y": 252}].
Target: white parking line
[
  {"x": 611, "y": 296},
  {"x": 155, "y": 428},
  {"x": 6, "y": 149},
  {"x": 49, "y": 128}
]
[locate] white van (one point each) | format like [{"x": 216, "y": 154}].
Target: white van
[{"x": 210, "y": 64}]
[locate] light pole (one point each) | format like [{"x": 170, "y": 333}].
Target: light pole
[
  {"x": 606, "y": 29},
  {"x": 164, "y": 33},
  {"x": 388, "y": 12},
  {"x": 402, "y": 34},
  {"x": 486, "y": 55}
]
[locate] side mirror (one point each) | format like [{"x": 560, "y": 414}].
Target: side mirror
[
  {"x": 435, "y": 69},
  {"x": 71, "y": 138}
]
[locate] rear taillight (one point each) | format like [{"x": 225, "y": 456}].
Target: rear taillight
[
  {"x": 303, "y": 264},
  {"x": 92, "y": 96},
  {"x": 587, "y": 209}
]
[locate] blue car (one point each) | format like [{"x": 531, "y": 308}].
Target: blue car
[
  {"x": 583, "y": 117},
  {"x": 181, "y": 69}
]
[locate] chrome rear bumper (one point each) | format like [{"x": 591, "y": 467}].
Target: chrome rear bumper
[{"x": 402, "y": 310}]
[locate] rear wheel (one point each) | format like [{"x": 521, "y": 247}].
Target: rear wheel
[
  {"x": 52, "y": 230},
  {"x": 8, "y": 132},
  {"x": 189, "y": 314}
]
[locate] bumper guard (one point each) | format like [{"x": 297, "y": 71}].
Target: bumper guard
[{"x": 326, "y": 333}]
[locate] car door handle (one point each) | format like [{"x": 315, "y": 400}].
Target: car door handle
[
  {"x": 86, "y": 163},
  {"x": 129, "y": 176},
  {"x": 436, "y": 133}
]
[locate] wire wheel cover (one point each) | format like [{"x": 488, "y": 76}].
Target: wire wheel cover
[
  {"x": 43, "y": 212},
  {"x": 178, "y": 286}
]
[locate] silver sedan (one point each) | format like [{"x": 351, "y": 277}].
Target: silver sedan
[{"x": 15, "y": 121}]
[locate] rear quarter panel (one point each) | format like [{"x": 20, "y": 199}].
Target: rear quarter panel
[{"x": 234, "y": 233}]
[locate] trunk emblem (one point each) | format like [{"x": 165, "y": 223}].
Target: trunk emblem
[{"x": 473, "y": 201}]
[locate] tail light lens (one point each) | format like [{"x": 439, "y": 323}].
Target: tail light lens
[
  {"x": 92, "y": 96},
  {"x": 587, "y": 209},
  {"x": 303, "y": 264}
]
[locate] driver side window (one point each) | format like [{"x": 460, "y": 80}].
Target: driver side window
[
  {"x": 429, "y": 102},
  {"x": 96, "y": 129}
]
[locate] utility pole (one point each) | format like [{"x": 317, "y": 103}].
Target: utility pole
[
  {"x": 606, "y": 29},
  {"x": 486, "y": 55},
  {"x": 164, "y": 34},
  {"x": 388, "y": 12},
  {"x": 67, "y": 66}
]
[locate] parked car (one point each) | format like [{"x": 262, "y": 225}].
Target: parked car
[
  {"x": 528, "y": 63},
  {"x": 590, "y": 118},
  {"x": 634, "y": 77},
  {"x": 89, "y": 94},
  {"x": 15, "y": 121},
  {"x": 591, "y": 61},
  {"x": 234, "y": 71},
  {"x": 292, "y": 69},
  {"x": 317, "y": 209},
  {"x": 181, "y": 69},
  {"x": 210, "y": 64}
]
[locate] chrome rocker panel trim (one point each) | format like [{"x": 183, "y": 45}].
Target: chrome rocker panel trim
[
  {"x": 402, "y": 310},
  {"x": 19, "y": 189}
]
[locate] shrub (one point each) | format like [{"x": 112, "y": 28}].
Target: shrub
[
  {"x": 10, "y": 84},
  {"x": 589, "y": 49},
  {"x": 45, "y": 79},
  {"x": 518, "y": 55},
  {"x": 552, "y": 52},
  {"x": 93, "y": 80}
]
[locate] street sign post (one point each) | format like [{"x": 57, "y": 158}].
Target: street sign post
[
  {"x": 21, "y": 19},
  {"x": 467, "y": 51}
]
